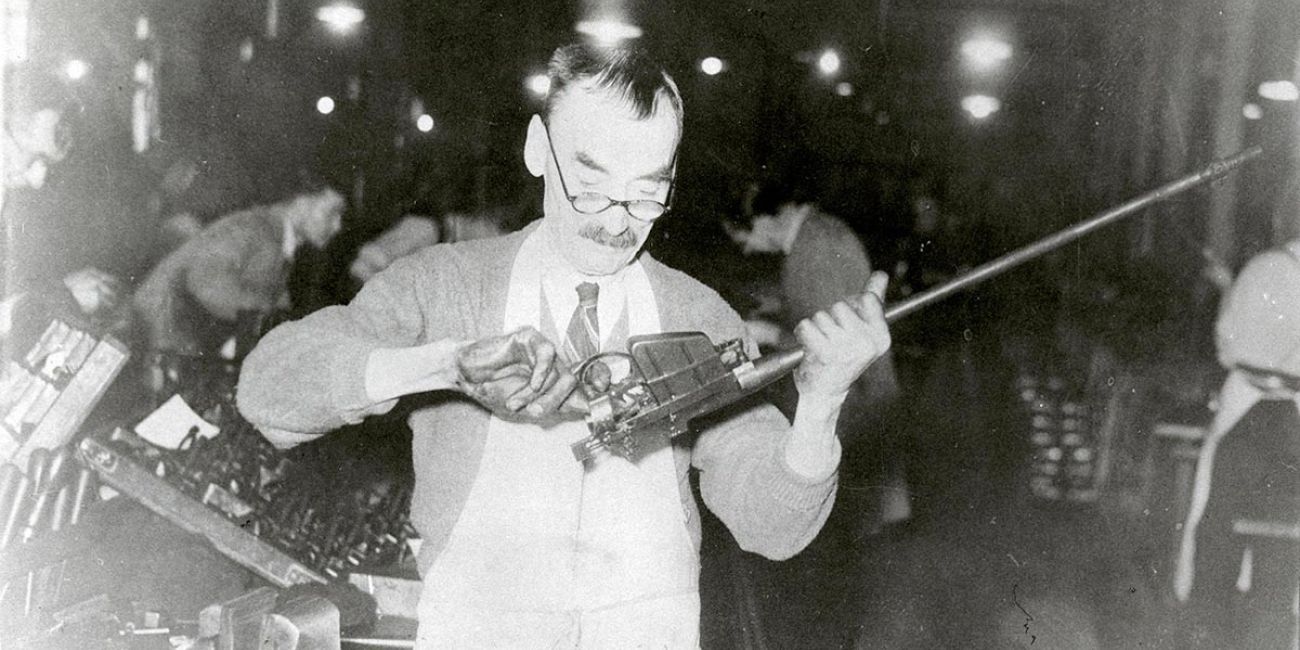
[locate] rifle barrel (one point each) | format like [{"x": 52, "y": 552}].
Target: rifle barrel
[
  {"x": 1056, "y": 240},
  {"x": 771, "y": 367}
]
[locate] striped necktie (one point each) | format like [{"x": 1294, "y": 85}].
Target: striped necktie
[{"x": 582, "y": 339}]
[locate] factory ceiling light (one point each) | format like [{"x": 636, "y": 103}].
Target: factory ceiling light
[
  {"x": 980, "y": 106},
  {"x": 76, "y": 69},
  {"x": 829, "y": 62},
  {"x": 1279, "y": 91},
  {"x": 341, "y": 17},
  {"x": 608, "y": 32},
  {"x": 986, "y": 52}
]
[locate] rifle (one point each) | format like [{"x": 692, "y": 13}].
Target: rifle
[{"x": 674, "y": 377}]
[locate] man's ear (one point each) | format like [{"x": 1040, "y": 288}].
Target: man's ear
[{"x": 536, "y": 147}]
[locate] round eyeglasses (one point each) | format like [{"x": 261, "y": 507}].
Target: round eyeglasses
[{"x": 594, "y": 202}]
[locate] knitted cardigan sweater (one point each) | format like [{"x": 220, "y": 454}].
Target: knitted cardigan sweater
[{"x": 308, "y": 376}]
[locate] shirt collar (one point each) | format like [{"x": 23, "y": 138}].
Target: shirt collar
[{"x": 290, "y": 240}]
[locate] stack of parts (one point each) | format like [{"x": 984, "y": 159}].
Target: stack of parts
[
  {"x": 253, "y": 491},
  {"x": 48, "y": 393},
  {"x": 1063, "y": 467},
  {"x": 52, "y": 495}
]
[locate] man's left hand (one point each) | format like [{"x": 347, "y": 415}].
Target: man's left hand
[{"x": 843, "y": 341}]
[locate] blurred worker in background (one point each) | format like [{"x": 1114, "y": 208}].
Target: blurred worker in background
[
  {"x": 38, "y": 280},
  {"x": 415, "y": 231},
  {"x": 191, "y": 302},
  {"x": 33, "y": 142},
  {"x": 823, "y": 262},
  {"x": 411, "y": 233},
  {"x": 1238, "y": 562}
]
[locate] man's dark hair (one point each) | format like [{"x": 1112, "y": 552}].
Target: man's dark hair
[
  {"x": 774, "y": 193},
  {"x": 628, "y": 73},
  {"x": 302, "y": 182}
]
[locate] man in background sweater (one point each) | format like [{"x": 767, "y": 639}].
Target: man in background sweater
[
  {"x": 524, "y": 546},
  {"x": 237, "y": 265}
]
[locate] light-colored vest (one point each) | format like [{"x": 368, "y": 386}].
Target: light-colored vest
[{"x": 546, "y": 543}]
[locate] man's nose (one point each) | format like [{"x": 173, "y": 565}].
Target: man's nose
[{"x": 615, "y": 219}]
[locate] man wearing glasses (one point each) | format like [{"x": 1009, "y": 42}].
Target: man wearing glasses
[{"x": 523, "y": 546}]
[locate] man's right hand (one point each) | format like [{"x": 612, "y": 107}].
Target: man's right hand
[{"x": 517, "y": 376}]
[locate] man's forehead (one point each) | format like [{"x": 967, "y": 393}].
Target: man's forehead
[
  {"x": 594, "y": 118},
  {"x": 591, "y": 92}
]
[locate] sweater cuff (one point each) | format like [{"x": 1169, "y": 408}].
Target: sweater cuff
[
  {"x": 793, "y": 489},
  {"x": 347, "y": 385},
  {"x": 282, "y": 440}
]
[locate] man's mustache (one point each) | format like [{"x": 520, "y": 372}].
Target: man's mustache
[{"x": 625, "y": 239}]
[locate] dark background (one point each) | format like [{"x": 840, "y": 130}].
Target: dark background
[{"x": 1100, "y": 101}]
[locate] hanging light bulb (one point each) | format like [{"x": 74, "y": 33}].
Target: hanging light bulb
[{"x": 986, "y": 52}]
